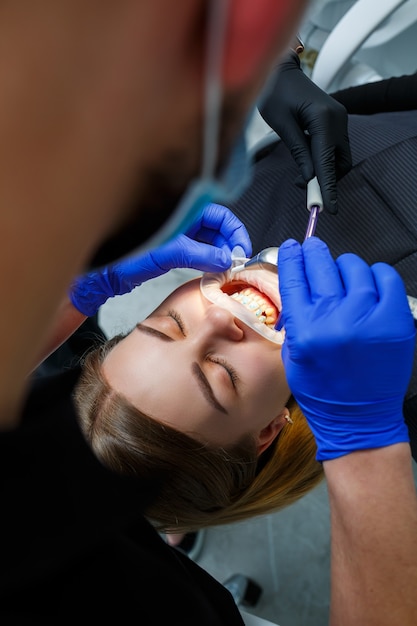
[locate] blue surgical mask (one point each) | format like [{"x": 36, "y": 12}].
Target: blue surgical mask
[{"x": 236, "y": 175}]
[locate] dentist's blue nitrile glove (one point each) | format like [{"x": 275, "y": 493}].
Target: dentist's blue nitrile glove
[
  {"x": 206, "y": 246},
  {"x": 349, "y": 346}
]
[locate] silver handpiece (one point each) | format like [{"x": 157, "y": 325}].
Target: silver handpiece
[
  {"x": 413, "y": 306},
  {"x": 266, "y": 259}
]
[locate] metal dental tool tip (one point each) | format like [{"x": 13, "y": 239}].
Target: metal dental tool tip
[
  {"x": 413, "y": 307},
  {"x": 314, "y": 205},
  {"x": 266, "y": 259}
]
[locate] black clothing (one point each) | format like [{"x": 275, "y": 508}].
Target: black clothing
[
  {"x": 74, "y": 543},
  {"x": 398, "y": 93},
  {"x": 377, "y": 201}
]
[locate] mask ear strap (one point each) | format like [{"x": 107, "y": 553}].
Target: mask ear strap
[{"x": 217, "y": 21}]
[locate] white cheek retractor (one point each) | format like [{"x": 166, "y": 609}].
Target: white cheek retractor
[{"x": 263, "y": 280}]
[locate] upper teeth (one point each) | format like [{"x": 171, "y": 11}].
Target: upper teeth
[{"x": 253, "y": 301}]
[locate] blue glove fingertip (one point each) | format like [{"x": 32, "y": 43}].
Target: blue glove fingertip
[
  {"x": 84, "y": 298},
  {"x": 217, "y": 260},
  {"x": 279, "y": 324},
  {"x": 224, "y": 259},
  {"x": 314, "y": 243},
  {"x": 287, "y": 247}
]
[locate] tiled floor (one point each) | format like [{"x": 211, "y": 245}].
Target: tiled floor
[{"x": 286, "y": 553}]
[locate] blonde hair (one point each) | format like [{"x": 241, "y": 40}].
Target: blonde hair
[{"x": 196, "y": 485}]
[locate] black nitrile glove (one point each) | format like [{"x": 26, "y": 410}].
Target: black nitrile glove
[{"x": 294, "y": 105}]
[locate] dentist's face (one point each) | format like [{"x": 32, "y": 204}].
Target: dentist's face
[{"x": 196, "y": 367}]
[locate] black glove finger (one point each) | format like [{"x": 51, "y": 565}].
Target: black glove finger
[
  {"x": 300, "y": 182},
  {"x": 298, "y": 143},
  {"x": 325, "y": 168},
  {"x": 336, "y": 134},
  {"x": 343, "y": 160}
]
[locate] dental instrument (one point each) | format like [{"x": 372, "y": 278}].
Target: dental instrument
[
  {"x": 413, "y": 307},
  {"x": 266, "y": 259},
  {"x": 314, "y": 206}
]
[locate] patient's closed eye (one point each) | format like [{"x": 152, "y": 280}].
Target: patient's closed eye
[
  {"x": 234, "y": 378},
  {"x": 213, "y": 359},
  {"x": 174, "y": 321},
  {"x": 178, "y": 319}
]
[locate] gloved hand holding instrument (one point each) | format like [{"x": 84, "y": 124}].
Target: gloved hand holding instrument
[
  {"x": 206, "y": 246},
  {"x": 349, "y": 346},
  {"x": 295, "y": 106}
]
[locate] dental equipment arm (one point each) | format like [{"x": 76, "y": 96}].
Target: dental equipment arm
[
  {"x": 206, "y": 246},
  {"x": 295, "y": 105},
  {"x": 348, "y": 357}
]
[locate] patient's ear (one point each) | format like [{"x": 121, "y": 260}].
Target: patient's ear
[
  {"x": 257, "y": 32},
  {"x": 272, "y": 430}
]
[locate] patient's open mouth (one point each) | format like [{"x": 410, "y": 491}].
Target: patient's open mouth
[{"x": 253, "y": 300}]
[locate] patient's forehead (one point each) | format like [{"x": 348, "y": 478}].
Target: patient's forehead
[{"x": 180, "y": 292}]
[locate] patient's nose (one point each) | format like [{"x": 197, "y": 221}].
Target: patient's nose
[{"x": 222, "y": 323}]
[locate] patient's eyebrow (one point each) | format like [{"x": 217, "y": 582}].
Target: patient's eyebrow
[
  {"x": 148, "y": 330},
  {"x": 197, "y": 372},
  {"x": 206, "y": 388}
]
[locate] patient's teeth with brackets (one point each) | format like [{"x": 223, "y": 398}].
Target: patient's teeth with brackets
[{"x": 250, "y": 295}]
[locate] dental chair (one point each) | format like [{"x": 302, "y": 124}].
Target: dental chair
[
  {"x": 252, "y": 620},
  {"x": 350, "y": 43}
]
